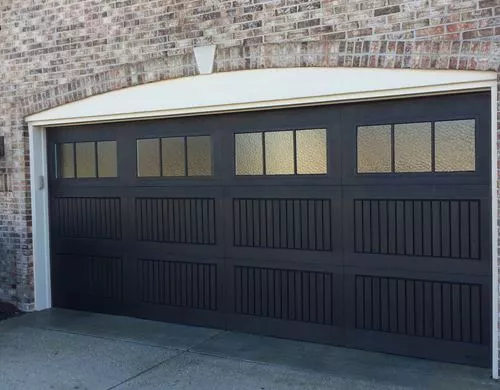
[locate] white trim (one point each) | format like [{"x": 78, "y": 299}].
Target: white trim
[
  {"x": 40, "y": 217},
  {"x": 494, "y": 222},
  {"x": 258, "y": 89}
]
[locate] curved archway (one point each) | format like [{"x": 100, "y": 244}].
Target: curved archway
[{"x": 256, "y": 89}]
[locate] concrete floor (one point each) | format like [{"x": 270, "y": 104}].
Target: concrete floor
[{"x": 63, "y": 349}]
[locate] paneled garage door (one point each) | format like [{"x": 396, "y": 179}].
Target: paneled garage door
[{"x": 365, "y": 225}]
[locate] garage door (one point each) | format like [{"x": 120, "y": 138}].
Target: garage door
[{"x": 365, "y": 225}]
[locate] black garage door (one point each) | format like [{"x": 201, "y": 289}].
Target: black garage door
[{"x": 365, "y": 225}]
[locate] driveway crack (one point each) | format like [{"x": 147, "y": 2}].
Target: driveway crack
[{"x": 147, "y": 370}]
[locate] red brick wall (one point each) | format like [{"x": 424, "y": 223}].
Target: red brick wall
[{"x": 57, "y": 51}]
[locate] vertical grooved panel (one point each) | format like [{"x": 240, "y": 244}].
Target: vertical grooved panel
[
  {"x": 435, "y": 228},
  {"x": 303, "y": 224},
  {"x": 172, "y": 220},
  {"x": 284, "y": 294},
  {"x": 433, "y": 309},
  {"x": 97, "y": 277},
  {"x": 91, "y": 218},
  {"x": 180, "y": 284}
]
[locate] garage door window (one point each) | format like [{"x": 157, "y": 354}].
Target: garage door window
[
  {"x": 455, "y": 146},
  {"x": 84, "y": 160},
  {"x": 298, "y": 152},
  {"x": 446, "y": 146},
  {"x": 175, "y": 156},
  {"x": 413, "y": 147}
]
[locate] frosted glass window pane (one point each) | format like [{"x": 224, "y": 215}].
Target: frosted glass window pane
[
  {"x": 106, "y": 159},
  {"x": 85, "y": 159},
  {"x": 279, "y": 153},
  {"x": 311, "y": 151},
  {"x": 374, "y": 149},
  {"x": 455, "y": 146},
  {"x": 199, "y": 156},
  {"x": 249, "y": 154},
  {"x": 173, "y": 156},
  {"x": 412, "y": 147},
  {"x": 67, "y": 162},
  {"x": 148, "y": 157}
]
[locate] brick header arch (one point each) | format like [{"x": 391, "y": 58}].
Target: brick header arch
[{"x": 462, "y": 55}]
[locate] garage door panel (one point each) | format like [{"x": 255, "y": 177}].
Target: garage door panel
[
  {"x": 420, "y": 109},
  {"x": 284, "y": 191},
  {"x": 285, "y": 224},
  {"x": 271, "y": 183},
  {"x": 181, "y": 315},
  {"x": 103, "y": 185},
  {"x": 303, "y": 117},
  {"x": 297, "y": 330},
  {"x": 402, "y": 272},
  {"x": 176, "y": 190},
  {"x": 88, "y": 190},
  {"x": 87, "y": 217},
  {"x": 284, "y": 155},
  {"x": 186, "y": 284},
  {"x": 431, "y": 231},
  {"x": 379, "y": 139},
  {"x": 288, "y": 294},
  {"x": 165, "y": 249},
  {"x": 417, "y": 264},
  {"x": 301, "y": 265},
  {"x": 90, "y": 246},
  {"x": 179, "y": 288},
  {"x": 438, "y": 306},
  {"x": 176, "y": 220},
  {"x": 291, "y": 223},
  {"x": 457, "y": 191},
  {"x": 162, "y": 184},
  {"x": 429, "y": 308},
  {"x": 90, "y": 132},
  {"x": 285, "y": 256},
  {"x": 88, "y": 279},
  {"x": 427, "y": 348}
]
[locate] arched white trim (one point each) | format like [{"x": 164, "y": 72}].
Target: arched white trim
[
  {"x": 246, "y": 90},
  {"x": 253, "y": 89}
]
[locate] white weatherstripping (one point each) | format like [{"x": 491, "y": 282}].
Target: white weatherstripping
[
  {"x": 495, "y": 288},
  {"x": 245, "y": 91}
]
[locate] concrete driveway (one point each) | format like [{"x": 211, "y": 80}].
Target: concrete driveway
[{"x": 63, "y": 349}]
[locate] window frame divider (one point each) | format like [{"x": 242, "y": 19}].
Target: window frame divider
[
  {"x": 393, "y": 149},
  {"x": 96, "y": 160},
  {"x": 74, "y": 160},
  {"x": 186, "y": 162},
  {"x": 264, "y": 168},
  {"x": 295, "y": 156},
  {"x": 433, "y": 147},
  {"x": 161, "y": 155}
]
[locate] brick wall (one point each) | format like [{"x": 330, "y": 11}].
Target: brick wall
[{"x": 57, "y": 51}]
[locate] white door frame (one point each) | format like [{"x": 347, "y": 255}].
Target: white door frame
[{"x": 244, "y": 91}]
